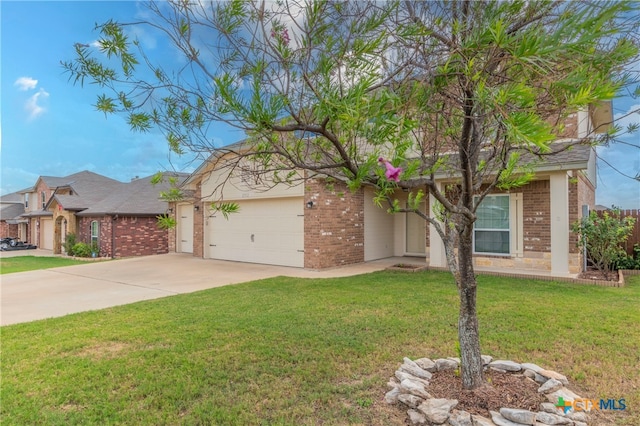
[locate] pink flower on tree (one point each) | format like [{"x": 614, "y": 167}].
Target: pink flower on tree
[
  {"x": 392, "y": 173},
  {"x": 282, "y": 36}
]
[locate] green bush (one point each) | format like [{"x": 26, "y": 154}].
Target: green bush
[
  {"x": 629, "y": 262},
  {"x": 601, "y": 236},
  {"x": 69, "y": 243},
  {"x": 82, "y": 250}
]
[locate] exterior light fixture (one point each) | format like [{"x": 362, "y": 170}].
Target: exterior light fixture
[
  {"x": 310, "y": 204},
  {"x": 196, "y": 207}
]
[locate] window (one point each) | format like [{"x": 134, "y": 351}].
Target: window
[
  {"x": 42, "y": 196},
  {"x": 95, "y": 231},
  {"x": 26, "y": 201},
  {"x": 491, "y": 233}
]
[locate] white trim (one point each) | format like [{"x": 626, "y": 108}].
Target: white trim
[{"x": 559, "y": 192}]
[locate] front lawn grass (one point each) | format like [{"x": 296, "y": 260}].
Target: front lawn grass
[
  {"x": 289, "y": 351},
  {"x": 9, "y": 265}
]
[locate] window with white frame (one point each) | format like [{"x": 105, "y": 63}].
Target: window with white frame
[
  {"x": 26, "y": 201},
  {"x": 95, "y": 231},
  {"x": 43, "y": 197},
  {"x": 492, "y": 230}
]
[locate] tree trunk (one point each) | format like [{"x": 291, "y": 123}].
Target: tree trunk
[{"x": 471, "y": 361}]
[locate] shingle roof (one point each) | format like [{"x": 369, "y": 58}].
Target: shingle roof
[
  {"x": 139, "y": 197},
  {"x": 11, "y": 211}
]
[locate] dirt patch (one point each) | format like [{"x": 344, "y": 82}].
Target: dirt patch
[
  {"x": 103, "y": 351},
  {"x": 502, "y": 390}
]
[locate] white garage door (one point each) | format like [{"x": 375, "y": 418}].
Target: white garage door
[
  {"x": 46, "y": 234},
  {"x": 185, "y": 229},
  {"x": 269, "y": 231}
]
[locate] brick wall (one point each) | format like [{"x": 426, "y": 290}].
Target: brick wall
[
  {"x": 172, "y": 233},
  {"x": 198, "y": 223},
  {"x": 536, "y": 206},
  {"x": 133, "y": 236},
  {"x": 334, "y": 227},
  {"x": 7, "y": 230}
]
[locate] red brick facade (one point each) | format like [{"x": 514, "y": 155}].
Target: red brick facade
[
  {"x": 7, "y": 230},
  {"x": 131, "y": 236},
  {"x": 198, "y": 223},
  {"x": 536, "y": 206},
  {"x": 334, "y": 226}
]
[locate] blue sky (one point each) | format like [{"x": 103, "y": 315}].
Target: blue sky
[{"x": 49, "y": 126}]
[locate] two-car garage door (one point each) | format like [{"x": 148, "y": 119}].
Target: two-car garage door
[{"x": 269, "y": 231}]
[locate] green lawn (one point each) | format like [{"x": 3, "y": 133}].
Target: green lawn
[
  {"x": 289, "y": 351},
  {"x": 9, "y": 265}
]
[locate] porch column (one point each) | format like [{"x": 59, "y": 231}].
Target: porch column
[
  {"x": 437, "y": 255},
  {"x": 559, "y": 187}
]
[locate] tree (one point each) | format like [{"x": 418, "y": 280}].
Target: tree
[{"x": 385, "y": 94}]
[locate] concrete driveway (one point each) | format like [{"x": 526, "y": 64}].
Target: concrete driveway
[{"x": 33, "y": 295}]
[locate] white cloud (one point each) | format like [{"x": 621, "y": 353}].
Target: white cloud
[
  {"x": 33, "y": 106},
  {"x": 631, "y": 115},
  {"x": 26, "y": 83}
]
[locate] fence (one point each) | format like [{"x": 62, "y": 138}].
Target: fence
[{"x": 634, "y": 238}]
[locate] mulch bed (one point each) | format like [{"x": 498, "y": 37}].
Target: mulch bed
[
  {"x": 594, "y": 274},
  {"x": 503, "y": 390}
]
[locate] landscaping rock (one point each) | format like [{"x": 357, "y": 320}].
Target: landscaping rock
[
  {"x": 391, "y": 397},
  {"x": 550, "y": 385},
  {"x": 486, "y": 359},
  {"x": 549, "y": 407},
  {"x": 506, "y": 365},
  {"x": 426, "y": 364},
  {"x": 539, "y": 378},
  {"x": 577, "y": 416},
  {"x": 549, "y": 374},
  {"x": 414, "y": 369},
  {"x": 460, "y": 418},
  {"x": 530, "y": 366},
  {"x": 455, "y": 359},
  {"x": 529, "y": 374},
  {"x": 501, "y": 421},
  {"x": 446, "y": 364},
  {"x": 437, "y": 410},
  {"x": 416, "y": 417},
  {"x": 551, "y": 419},
  {"x": 402, "y": 375},
  {"x": 562, "y": 392},
  {"x": 481, "y": 421},
  {"x": 410, "y": 400},
  {"x": 524, "y": 417},
  {"x": 414, "y": 388}
]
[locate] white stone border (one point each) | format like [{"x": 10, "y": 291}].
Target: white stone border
[{"x": 410, "y": 386}]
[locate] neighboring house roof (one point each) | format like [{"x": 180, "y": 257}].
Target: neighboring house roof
[
  {"x": 12, "y": 198},
  {"x": 11, "y": 207},
  {"x": 139, "y": 197},
  {"x": 11, "y": 212}
]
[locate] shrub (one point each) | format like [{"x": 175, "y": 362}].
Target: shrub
[
  {"x": 629, "y": 262},
  {"x": 82, "y": 250},
  {"x": 602, "y": 236},
  {"x": 69, "y": 242}
]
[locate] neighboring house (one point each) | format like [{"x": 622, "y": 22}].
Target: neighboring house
[
  {"x": 11, "y": 207},
  {"x": 119, "y": 217},
  {"x": 316, "y": 226}
]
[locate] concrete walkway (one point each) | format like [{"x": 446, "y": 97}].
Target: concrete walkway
[{"x": 34, "y": 295}]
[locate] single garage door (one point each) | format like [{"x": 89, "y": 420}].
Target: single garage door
[
  {"x": 185, "y": 228},
  {"x": 269, "y": 231},
  {"x": 46, "y": 234}
]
